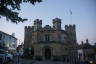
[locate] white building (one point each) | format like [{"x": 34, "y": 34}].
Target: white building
[
  {"x": 8, "y": 41},
  {"x": 81, "y": 55}
]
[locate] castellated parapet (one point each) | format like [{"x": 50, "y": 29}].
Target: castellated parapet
[{"x": 71, "y": 30}]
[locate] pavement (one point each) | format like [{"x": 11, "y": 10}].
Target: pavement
[
  {"x": 30, "y": 61},
  {"x": 22, "y": 61},
  {"x": 50, "y": 62}
]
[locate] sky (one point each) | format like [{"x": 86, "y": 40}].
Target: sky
[{"x": 83, "y": 16}]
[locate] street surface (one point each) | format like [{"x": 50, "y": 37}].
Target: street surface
[{"x": 29, "y": 61}]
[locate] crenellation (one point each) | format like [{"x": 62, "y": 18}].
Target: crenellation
[
  {"x": 74, "y": 27},
  {"x": 37, "y": 21},
  {"x": 25, "y": 27},
  {"x": 57, "y": 24},
  {"x": 56, "y": 20},
  {"x": 66, "y": 27},
  {"x": 70, "y": 29},
  {"x": 37, "y": 24}
]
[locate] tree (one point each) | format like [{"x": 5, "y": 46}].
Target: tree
[{"x": 8, "y": 7}]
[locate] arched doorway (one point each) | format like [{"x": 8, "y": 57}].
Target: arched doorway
[{"x": 47, "y": 53}]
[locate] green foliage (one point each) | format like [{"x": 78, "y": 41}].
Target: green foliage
[{"x": 7, "y": 8}]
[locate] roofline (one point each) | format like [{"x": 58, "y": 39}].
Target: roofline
[{"x": 8, "y": 34}]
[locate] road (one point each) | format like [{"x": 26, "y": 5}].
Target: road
[{"x": 30, "y": 61}]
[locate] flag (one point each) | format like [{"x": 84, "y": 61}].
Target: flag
[{"x": 70, "y": 12}]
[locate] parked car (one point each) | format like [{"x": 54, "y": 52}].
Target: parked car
[{"x": 2, "y": 56}]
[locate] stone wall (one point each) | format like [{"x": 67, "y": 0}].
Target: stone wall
[{"x": 56, "y": 49}]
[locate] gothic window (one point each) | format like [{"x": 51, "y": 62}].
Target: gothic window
[
  {"x": 0, "y": 36},
  {"x": 47, "y": 37}
]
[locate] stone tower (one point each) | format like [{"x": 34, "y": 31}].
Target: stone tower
[
  {"x": 28, "y": 36},
  {"x": 57, "y": 24},
  {"x": 37, "y": 24},
  {"x": 71, "y": 30}
]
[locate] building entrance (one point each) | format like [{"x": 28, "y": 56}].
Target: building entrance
[{"x": 47, "y": 53}]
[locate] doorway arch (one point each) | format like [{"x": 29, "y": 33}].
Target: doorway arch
[{"x": 47, "y": 53}]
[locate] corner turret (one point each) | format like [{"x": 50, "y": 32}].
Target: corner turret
[
  {"x": 71, "y": 30},
  {"x": 57, "y": 24},
  {"x": 37, "y": 24}
]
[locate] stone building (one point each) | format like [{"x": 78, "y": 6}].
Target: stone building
[{"x": 49, "y": 42}]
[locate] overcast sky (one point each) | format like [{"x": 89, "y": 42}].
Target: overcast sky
[{"x": 83, "y": 15}]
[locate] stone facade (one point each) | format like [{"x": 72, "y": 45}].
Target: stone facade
[{"x": 51, "y": 42}]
